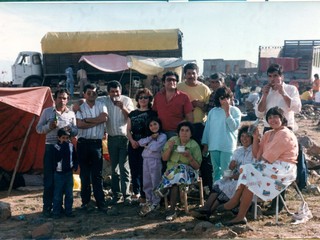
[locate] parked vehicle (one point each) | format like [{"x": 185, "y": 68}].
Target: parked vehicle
[
  {"x": 300, "y": 60},
  {"x": 62, "y": 49}
]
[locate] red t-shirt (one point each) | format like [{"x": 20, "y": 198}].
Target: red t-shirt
[{"x": 173, "y": 112}]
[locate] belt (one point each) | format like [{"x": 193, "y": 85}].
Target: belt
[
  {"x": 117, "y": 136},
  {"x": 86, "y": 140}
]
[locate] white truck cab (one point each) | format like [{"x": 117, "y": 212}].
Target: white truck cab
[{"x": 27, "y": 70}]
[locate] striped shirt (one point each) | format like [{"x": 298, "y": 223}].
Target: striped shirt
[
  {"x": 67, "y": 118},
  {"x": 96, "y": 132},
  {"x": 117, "y": 123}
]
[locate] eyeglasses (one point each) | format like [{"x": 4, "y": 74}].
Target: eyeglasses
[
  {"x": 143, "y": 97},
  {"x": 224, "y": 97}
]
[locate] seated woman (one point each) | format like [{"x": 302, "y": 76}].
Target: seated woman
[
  {"x": 274, "y": 172},
  {"x": 183, "y": 156},
  {"x": 224, "y": 189}
]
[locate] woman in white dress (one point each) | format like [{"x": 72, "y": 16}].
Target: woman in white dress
[
  {"x": 224, "y": 188},
  {"x": 276, "y": 169}
]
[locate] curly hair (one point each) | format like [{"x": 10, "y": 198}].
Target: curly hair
[
  {"x": 145, "y": 91},
  {"x": 222, "y": 92},
  {"x": 186, "y": 124},
  {"x": 243, "y": 129},
  {"x": 169, "y": 73}
]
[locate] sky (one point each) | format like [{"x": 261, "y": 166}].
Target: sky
[{"x": 227, "y": 30}]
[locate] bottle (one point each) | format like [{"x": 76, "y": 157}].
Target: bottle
[{"x": 56, "y": 117}]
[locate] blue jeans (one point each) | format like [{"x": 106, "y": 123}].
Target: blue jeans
[
  {"x": 90, "y": 161},
  {"x": 136, "y": 166},
  {"x": 118, "y": 151},
  {"x": 63, "y": 183},
  {"x": 48, "y": 177},
  {"x": 70, "y": 87}
]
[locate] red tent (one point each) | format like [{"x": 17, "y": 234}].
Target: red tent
[{"x": 21, "y": 147}]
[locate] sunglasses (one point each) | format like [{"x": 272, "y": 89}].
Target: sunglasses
[
  {"x": 143, "y": 97},
  {"x": 224, "y": 97},
  {"x": 171, "y": 80}
]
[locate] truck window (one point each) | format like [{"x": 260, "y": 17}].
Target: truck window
[
  {"x": 24, "y": 60},
  {"x": 36, "y": 59}
]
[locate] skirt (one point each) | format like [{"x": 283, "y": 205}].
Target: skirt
[
  {"x": 227, "y": 186},
  {"x": 267, "y": 180},
  {"x": 180, "y": 175}
]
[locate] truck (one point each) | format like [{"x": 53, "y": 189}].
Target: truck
[
  {"x": 63, "y": 49},
  {"x": 300, "y": 60}
]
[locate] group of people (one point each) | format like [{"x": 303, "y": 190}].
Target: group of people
[
  {"x": 311, "y": 95},
  {"x": 81, "y": 78},
  {"x": 186, "y": 129}
]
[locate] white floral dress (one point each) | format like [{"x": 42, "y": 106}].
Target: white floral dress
[
  {"x": 242, "y": 156},
  {"x": 269, "y": 179}
]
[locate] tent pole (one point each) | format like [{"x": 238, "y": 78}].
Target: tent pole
[
  {"x": 130, "y": 83},
  {"x": 20, "y": 154}
]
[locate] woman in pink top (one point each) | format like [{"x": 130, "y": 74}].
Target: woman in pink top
[{"x": 276, "y": 170}]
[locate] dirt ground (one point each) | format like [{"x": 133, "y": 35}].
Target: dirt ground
[{"x": 124, "y": 222}]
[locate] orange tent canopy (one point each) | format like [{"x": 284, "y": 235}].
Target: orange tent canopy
[{"x": 20, "y": 109}]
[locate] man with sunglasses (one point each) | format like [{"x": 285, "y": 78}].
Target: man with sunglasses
[
  {"x": 91, "y": 119},
  {"x": 172, "y": 105}
]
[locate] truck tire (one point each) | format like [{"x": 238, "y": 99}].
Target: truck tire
[{"x": 33, "y": 82}]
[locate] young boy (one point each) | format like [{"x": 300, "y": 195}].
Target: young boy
[{"x": 66, "y": 161}]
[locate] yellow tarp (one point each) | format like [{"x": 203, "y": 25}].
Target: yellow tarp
[{"x": 75, "y": 42}]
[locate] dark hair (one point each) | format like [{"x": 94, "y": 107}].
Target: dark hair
[
  {"x": 191, "y": 66},
  {"x": 186, "y": 124},
  {"x": 63, "y": 132},
  {"x": 170, "y": 73},
  {"x": 155, "y": 119},
  {"x": 222, "y": 92},
  {"x": 147, "y": 92},
  {"x": 277, "y": 112},
  {"x": 114, "y": 84},
  {"x": 61, "y": 91},
  {"x": 275, "y": 68},
  {"x": 308, "y": 88},
  {"x": 244, "y": 129},
  {"x": 217, "y": 76},
  {"x": 316, "y": 76},
  {"x": 253, "y": 88},
  {"x": 89, "y": 86}
]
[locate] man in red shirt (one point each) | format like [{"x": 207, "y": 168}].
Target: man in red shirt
[{"x": 172, "y": 105}]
